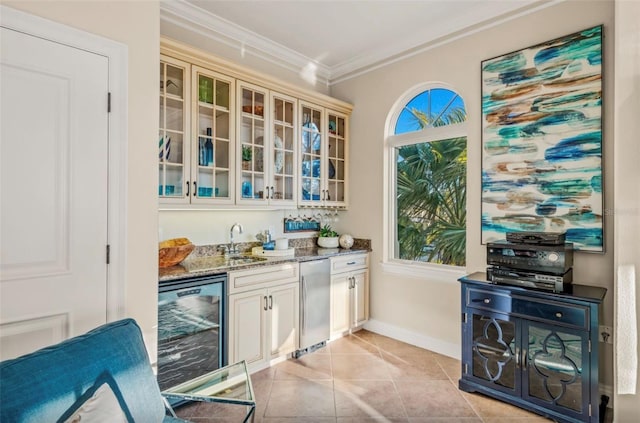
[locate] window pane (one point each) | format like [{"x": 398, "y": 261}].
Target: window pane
[
  {"x": 435, "y": 107},
  {"x": 431, "y": 201}
]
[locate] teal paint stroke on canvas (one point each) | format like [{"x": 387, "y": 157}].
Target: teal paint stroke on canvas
[{"x": 542, "y": 140}]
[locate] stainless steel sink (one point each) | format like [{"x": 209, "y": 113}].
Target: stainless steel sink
[
  {"x": 239, "y": 260},
  {"x": 201, "y": 264}
]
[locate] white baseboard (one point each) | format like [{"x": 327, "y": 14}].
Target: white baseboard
[{"x": 401, "y": 334}]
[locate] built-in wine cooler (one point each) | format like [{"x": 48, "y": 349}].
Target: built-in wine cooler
[{"x": 191, "y": 335}]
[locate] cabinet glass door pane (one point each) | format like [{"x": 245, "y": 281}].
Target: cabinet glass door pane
[
  {"x": 253, "y": 144},
  {"x": 283, "y": 149},
  {"x": 213, "y": 131},
  {"x": 494, "y": 349},
  {"x": 311, "y": 147},
  {"x": 555, "y": 367},
  {"x": 171, "y": 136},
  {"x": 336, "y": 159}
]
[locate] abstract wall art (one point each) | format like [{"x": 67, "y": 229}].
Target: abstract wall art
[{"x": 542, "y": 141}]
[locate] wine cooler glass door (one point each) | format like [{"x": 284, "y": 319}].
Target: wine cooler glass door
[{"x": 190, "y": 331}]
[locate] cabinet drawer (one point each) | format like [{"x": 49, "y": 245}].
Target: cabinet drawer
[
  {"x": 262, "y": 277},
  {"x": 346, "y": 263},
  {"x": 488, "y": 300},
  {"x": 552, "y": 312}
]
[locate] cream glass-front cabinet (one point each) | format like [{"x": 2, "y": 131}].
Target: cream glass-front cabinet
[
  {"x": 230, "y": 136},
  {"x": 266, "y": 147},
  {"x": 323, "y": 157},
  {"x": 174, "y": 138},
  {"x": 196, "y": 153}
]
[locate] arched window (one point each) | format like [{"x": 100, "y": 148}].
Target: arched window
[{"x": 426, "y": 149}]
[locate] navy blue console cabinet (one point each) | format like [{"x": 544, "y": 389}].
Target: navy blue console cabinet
[{"x": 534, "y": 349}]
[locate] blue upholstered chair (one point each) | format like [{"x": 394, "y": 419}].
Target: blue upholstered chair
[{"x": 53, "y": 384}]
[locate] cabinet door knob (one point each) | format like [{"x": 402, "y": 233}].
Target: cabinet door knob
[
  {"x": 265, "y": 303},
  {"x": 270, "y": 302},
  {"x": 195, "y": 188},
  {"x": 486, "y": 300},
  {"x": 188, "y": 188},
  {"x": 558, "y": 315}
]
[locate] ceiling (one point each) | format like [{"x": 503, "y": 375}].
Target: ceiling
[{"x": 337, "y": 39}]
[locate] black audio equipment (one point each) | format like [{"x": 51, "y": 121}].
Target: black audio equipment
[
  {"x": 536, "y": 238},
  {"x": 551, "y": 259},
  {"x": 506, "y": 276}
]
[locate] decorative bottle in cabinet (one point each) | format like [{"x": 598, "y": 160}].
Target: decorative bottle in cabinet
[{"x": 208, "y": 149}]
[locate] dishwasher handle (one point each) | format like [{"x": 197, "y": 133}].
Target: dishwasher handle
[{"x": 303, "y": 308}]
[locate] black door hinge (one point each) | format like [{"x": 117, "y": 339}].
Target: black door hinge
[{"x": 108, "y": 102}]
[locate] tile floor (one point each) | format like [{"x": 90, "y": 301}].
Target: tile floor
[{"x": 363, "y": 378}]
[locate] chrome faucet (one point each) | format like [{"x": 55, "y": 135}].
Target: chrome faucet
[{"x": 232, "y": 246}]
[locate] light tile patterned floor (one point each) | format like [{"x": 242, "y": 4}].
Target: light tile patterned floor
[{"x": 364, "y": 378}]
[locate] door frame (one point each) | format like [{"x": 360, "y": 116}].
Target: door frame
[{"x": 117, "y": 55}]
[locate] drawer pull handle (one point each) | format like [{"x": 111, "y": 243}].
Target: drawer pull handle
[
  {"x": 558, "y": 315},
  {"x": 486, "y": 301},
  {"x": 350, "y": 263}
]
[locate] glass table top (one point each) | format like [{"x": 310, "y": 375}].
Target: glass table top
[{"x": 230, "y": 384}]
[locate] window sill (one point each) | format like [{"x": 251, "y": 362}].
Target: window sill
[{"x": 439, "y": 272}]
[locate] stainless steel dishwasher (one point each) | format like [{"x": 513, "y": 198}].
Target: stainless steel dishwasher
[{"x": 315, "y": 280}]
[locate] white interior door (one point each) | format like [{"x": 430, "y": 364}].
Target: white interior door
[{"x": 53, "y": 193}]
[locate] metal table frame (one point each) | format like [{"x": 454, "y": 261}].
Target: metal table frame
[{"x": 230, "y": 385}]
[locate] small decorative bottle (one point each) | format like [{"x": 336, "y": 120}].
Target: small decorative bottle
[
  {"x": 202, "y": 158},
  {"x": 208, "y": 148}
]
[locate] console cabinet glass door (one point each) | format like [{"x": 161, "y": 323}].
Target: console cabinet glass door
[
  {"x": 557, "y": 367},
  {"x": 494, "y": 352},
  {"x": 283, "y": 166},
  {"x": 213, "y": 153},
  {"x": 173, "y": 137},
  {"x": 336, "y": 159},
  {"x": 252, "y": 143},
  {"x": 312, "y": 191}
]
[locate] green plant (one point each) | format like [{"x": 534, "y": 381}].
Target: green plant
[
  {"x": 326, "y": 231},
  {"x": 246, "y": 153},
  {"x": 431, "y": 197}
]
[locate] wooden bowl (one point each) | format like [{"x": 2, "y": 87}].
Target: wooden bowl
[{"x": 173, "y": 251}]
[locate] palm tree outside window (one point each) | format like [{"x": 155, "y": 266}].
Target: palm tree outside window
[{"x": 428, "y": 164}]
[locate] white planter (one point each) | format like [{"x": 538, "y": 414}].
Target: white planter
[{"x": 328, "y": 242}]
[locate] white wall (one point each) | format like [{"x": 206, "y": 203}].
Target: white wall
[
  {"x": 136, "y": 24},
  {"x": 430, "y": 309},
  {"x": 627, "y": 173}
]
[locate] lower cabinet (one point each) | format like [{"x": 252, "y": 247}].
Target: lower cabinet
[
  {"x": 264, "y": 321},
  {"x": 534, "y": 349},
  {"x": 349, "y": 294}
]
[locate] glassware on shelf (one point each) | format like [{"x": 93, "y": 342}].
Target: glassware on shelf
[{"x": 205, "y": 90}]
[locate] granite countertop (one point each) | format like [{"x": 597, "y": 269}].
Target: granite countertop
[{"x": 206, "y": 261}]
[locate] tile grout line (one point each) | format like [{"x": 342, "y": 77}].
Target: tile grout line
[{"x": 395, "y": 386}]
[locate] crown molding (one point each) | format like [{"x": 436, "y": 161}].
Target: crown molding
[{"x": 195, "y": 19}]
